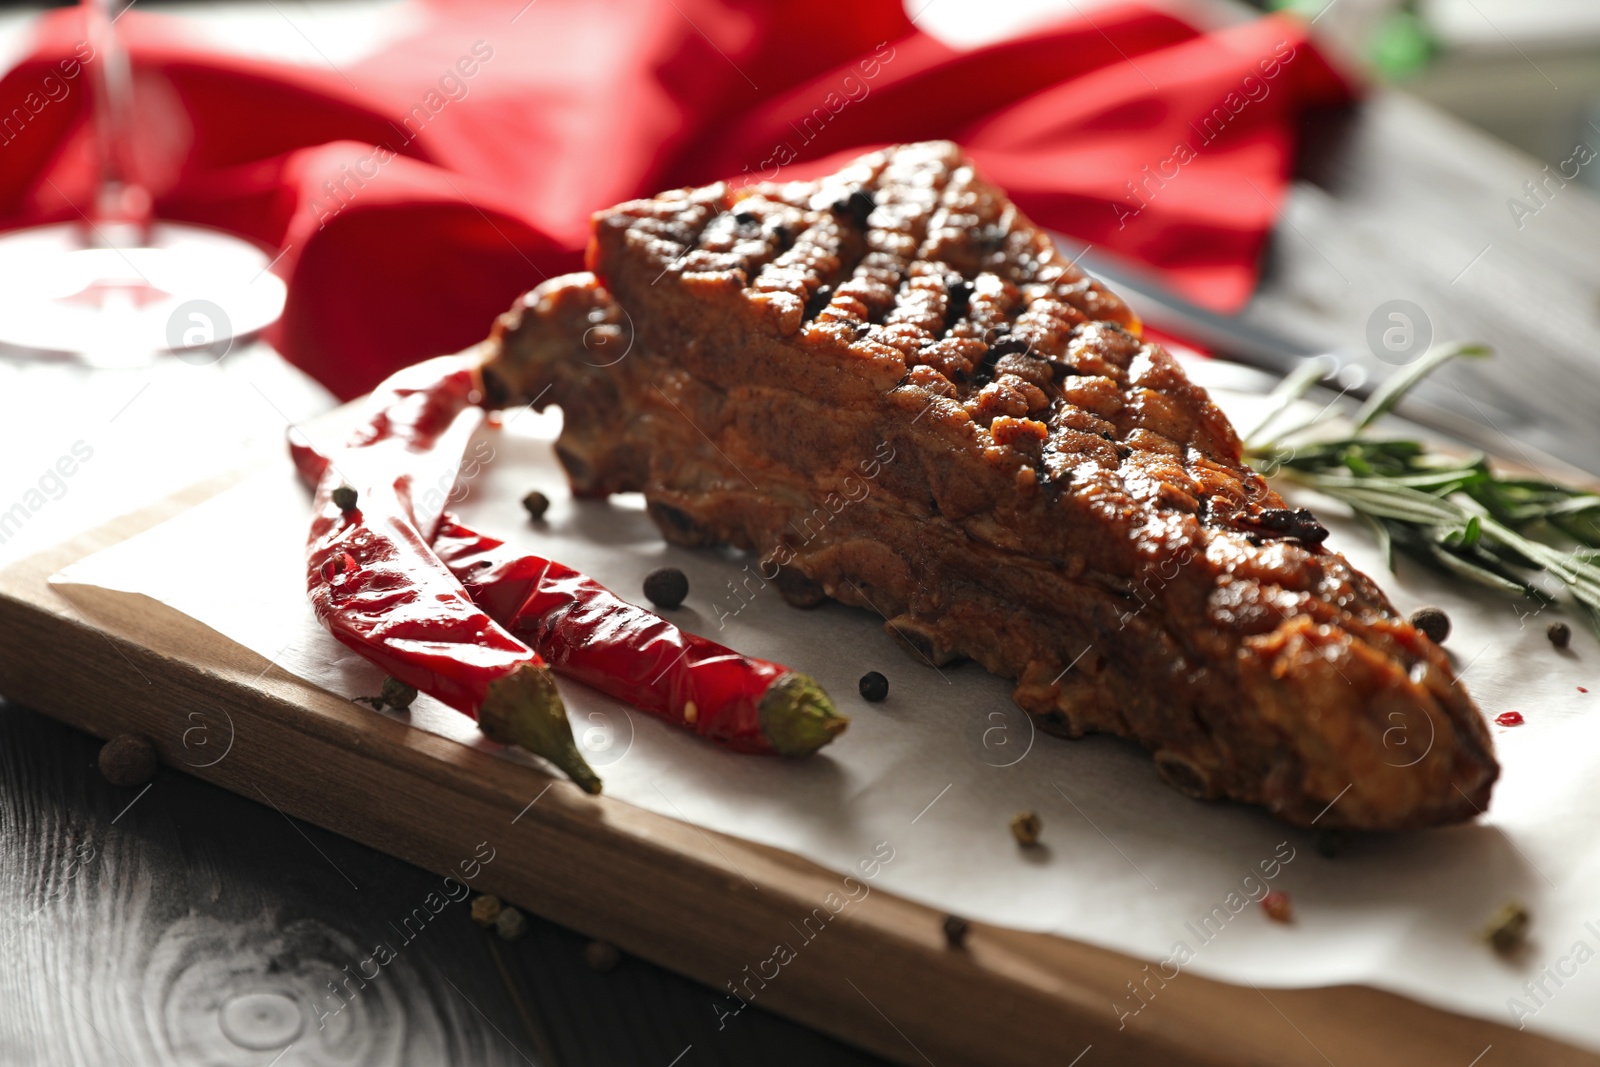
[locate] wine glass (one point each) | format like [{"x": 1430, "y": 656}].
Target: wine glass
[{"x": 117, "y": 287}]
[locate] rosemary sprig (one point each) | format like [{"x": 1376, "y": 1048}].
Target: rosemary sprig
[{"x": 1450, "y": 512}]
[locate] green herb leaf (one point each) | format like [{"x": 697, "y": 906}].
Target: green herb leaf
[
  {"x": 1282, "y": 398},
  {"x": 1451, "y": 513},
  {"x": 1397, "y": 385}
]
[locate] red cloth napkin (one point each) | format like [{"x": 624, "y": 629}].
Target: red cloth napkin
[{"x": 415, "y": 193}]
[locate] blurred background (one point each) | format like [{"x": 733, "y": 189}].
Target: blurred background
[{"x": 1526, "y": 71}]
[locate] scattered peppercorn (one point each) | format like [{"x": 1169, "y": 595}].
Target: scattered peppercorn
[
  {"x": 1331, "y": 841},
  {"x": 536, "y": 504},
  {"x": 1433, "y": 622},
  {"x": 666, "y": 587},
  {"x": 397, "y": 694},
  {"x": 601, "y": 956},
  {"x": 128, "y": 760},
  {"x": 955, "y": 931},
  {"x": 1510, "y": 718},
  {"x": 1507, "y": 926},
  {"x": 485, "y": 910},
  {"x": 510, "y": 924},
  {"x": 345, "y": 498},
  {"x": 1560, "y": 634},
  {"x": 1025, "y": 827},
  {"x": 873, "y": 686},
  {"x": 1276, "y": 905}
]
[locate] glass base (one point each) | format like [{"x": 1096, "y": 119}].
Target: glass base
[{"x": 188, "y": 290}]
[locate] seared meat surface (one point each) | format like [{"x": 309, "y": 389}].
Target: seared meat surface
[{"x": 891, "y": 388}]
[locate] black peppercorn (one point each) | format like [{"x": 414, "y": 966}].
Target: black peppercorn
[
  {"x": 536, "y": 504},
  {"x": 128, "y": 760},
  {"x": 666, "y": 587},
  {"x": 345, "y": 498},
  {"x": 1560, "y": 634},
  {"x": 955, "y": 931},
  {"x": 874, "y": 686},
  {"x": 1433, "y": 622}
]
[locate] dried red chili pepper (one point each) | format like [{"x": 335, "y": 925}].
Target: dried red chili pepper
[
  {"x": 375, "y": 583},
  {"x": 587, "y": 632}
]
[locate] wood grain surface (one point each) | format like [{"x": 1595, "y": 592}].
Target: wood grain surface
[
  {"x": 1397, "y": 201},
  {"x": 183, "y": 924}
]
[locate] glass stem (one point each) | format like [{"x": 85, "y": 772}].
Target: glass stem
[{"x": 122, "y": 210}]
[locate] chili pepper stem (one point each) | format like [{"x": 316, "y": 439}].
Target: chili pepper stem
[
  {"x": 523, "y": 708},
  {"x": 797, "y": 716}
]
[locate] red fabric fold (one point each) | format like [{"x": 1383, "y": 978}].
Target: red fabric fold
[{"x": 416, "y": 192}]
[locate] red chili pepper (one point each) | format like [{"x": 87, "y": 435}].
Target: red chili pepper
[
  {"x": 378, "y": 587},
  {"x": 589, "y": 633}
]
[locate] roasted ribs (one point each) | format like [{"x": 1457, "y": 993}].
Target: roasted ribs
[{"x": 892, "y": 389}]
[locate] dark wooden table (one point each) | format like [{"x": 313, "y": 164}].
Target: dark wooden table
[
  {"x": 1398, "y": 201},
  {"x": 148, "y": 912},
  {"x": 158, "y": 912}
]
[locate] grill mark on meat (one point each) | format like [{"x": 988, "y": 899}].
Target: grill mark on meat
[
  {"x": 971, "y": 220},
  {"x": 741, "y": 239},
  {"x": 829, "y": 247},
  {"x": 823, "y": 253},
  {"x": 908, "y": 193},
  {"x": 940, "y": 298},
  {"x": 670, "y": 229},
  {"x": 958, "y": 294}
]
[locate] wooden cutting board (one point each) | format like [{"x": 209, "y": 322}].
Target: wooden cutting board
[{"x": 709, "y": 906}]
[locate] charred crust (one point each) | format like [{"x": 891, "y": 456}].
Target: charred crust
[
  {"x": 857, "y": 207},
  {"x": 1296, "y": 523}
]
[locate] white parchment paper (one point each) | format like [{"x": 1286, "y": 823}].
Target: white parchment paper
[{"x": 939, "y": 767}]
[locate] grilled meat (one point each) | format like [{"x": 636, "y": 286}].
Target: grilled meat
[{"x": 891, "y": 388}]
